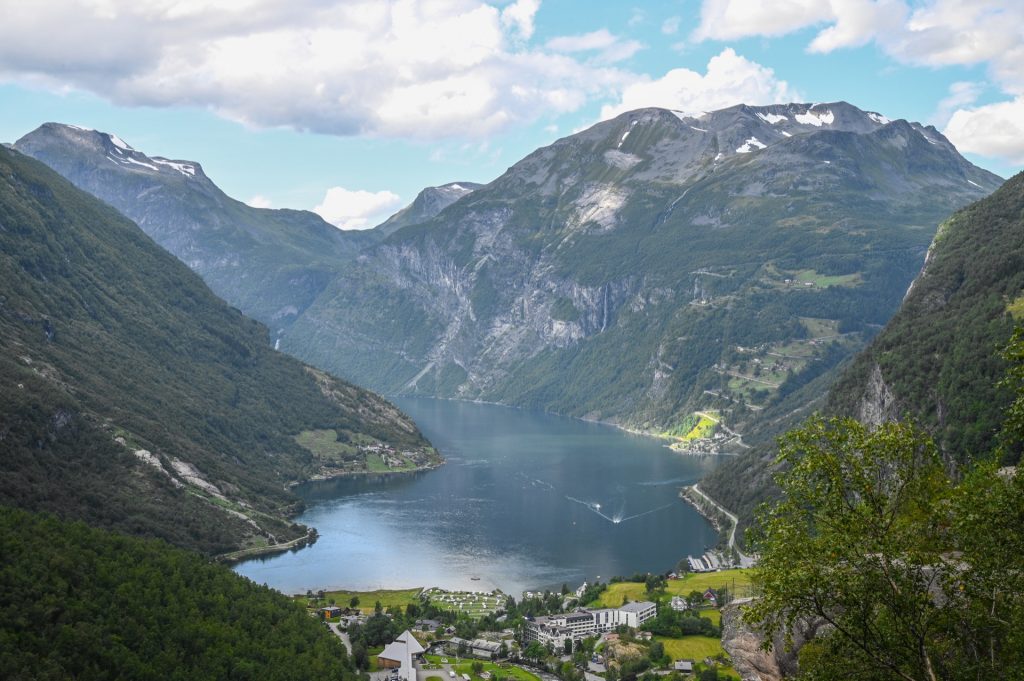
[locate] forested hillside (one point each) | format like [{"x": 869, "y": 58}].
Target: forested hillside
[
  {"x": 80, "y": 603},
  {"x": 135, "y": 399},
  {"x": 938, "y": 362}
]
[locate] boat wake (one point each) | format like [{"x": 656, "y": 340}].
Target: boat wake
[{"x": 618, "y": 517}]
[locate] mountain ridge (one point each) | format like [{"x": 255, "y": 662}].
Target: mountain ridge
[
  {"x": 136, "y": 400},
  {"x": 516, "y": 292},
  {"x": 270, "y": 263}
]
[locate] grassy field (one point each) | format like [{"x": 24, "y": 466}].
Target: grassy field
[
  {"x": 466, "y": 667},
  {"x": 691, "y": 647},
  {"x": 820, "y": 327},
  {"x": 705, "y": 428},
  {"x": 367, "y": 599},
  {"x": 613, "y": 596},
  {"x": 507, "y": 671},
  {"x": 825, "y": 280},
  {"x": 712, "y": 614},
  {"x": 324, "y": 444},
  {"x": 693, "y": 427}
]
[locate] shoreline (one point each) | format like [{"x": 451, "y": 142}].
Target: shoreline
[
  {"x": 241, "y": 555},
  {"x": 353, "y": 474},
  {"x": 715, "y": 519},
  {"x": 233, "y": 557},
  {"x": 618, "y": 426}
]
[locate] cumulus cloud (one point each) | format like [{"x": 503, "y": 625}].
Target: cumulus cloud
[
  {"x": 932, "y": 32},
  {"x": 413, "y": 68},
  {"x": 520, "y": 15},
  {"x": 670, "y": 26},
  {"x": 359, "y": 209},
  {"x": 994, "y": 130},
  {"x": 730, "y": 79},
  {"x": 260, "y": 201}
]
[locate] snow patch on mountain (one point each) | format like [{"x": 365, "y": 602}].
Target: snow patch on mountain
[
  {"x": 750, "y": 145},
  {"x": 815, "y": 119},
  {"x": 185, "y": 169},
  {"x": 772, "y": 119},
  {"x": 118, "y": 142}
]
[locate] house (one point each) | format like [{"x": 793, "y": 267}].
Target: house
[
  {"x": 679, "y": 604},
  {"x": 485, "y": 649},
  {"x": 331, "y": 611},
  {"x": 684, "y": 666},
  {"x": 399, "y": 654},
  {"x": 428, "y": 625},
  {"x": 709, "y": 595}
]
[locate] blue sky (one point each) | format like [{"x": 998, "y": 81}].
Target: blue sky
[{"x": 283, "y": 101}]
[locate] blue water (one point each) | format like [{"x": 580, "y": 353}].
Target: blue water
[{"x": 526, "y": 501}]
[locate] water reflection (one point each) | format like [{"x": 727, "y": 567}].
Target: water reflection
[{"x": 527, "y": 500}]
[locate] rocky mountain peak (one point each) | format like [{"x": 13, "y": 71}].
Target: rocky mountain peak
[
  {"x": 61, "y": 138},
  {"x": 427, "y": 204}
]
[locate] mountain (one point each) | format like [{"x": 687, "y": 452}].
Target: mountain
[
  {"x": 938, "y": 361},
  {"x": 655, "y": 265},
  {"x": 427, "y": 204},
  {"x": 80, "y": 603},
  {"x": 270, "y": 264},
  {"x": 136, "y": 400}
]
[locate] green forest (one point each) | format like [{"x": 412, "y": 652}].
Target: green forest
[{"x": 81, "y": 603}]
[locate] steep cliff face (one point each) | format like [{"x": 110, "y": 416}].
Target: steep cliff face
[
  {"x": 651, "y": 265},
  {"x": 271, "y": 264},
  {"x": 745, "y": 646}
]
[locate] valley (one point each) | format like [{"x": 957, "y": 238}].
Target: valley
[
  {"x": 512, "y": 340},
  {"x": 673, "y": 306}
]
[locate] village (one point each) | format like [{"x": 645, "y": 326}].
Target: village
[{"x": 647, "y": 627}]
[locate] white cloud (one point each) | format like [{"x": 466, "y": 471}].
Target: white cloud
[
  {"x": 670, "y": 26},
  {"x": 424, "y": 69},
  {"x": 930, "y": 32},
  {"x": 611, "y": 48},
  {"x": 359, "y": 209},
  {"x": 260, "y": 201},
  {"x": 520, "y": 14},
  {"x": 730, "y": 79},
  {"x": 595, "y": 40},
  {"x": 961, "y": 94},
  {"x": 933, "y": 33},
  {"x": 993, "y": 130}
]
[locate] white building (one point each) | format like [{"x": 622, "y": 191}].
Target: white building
[
  {"x": 399, "y": 653},
  {"x": 579, "y": 625}
]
